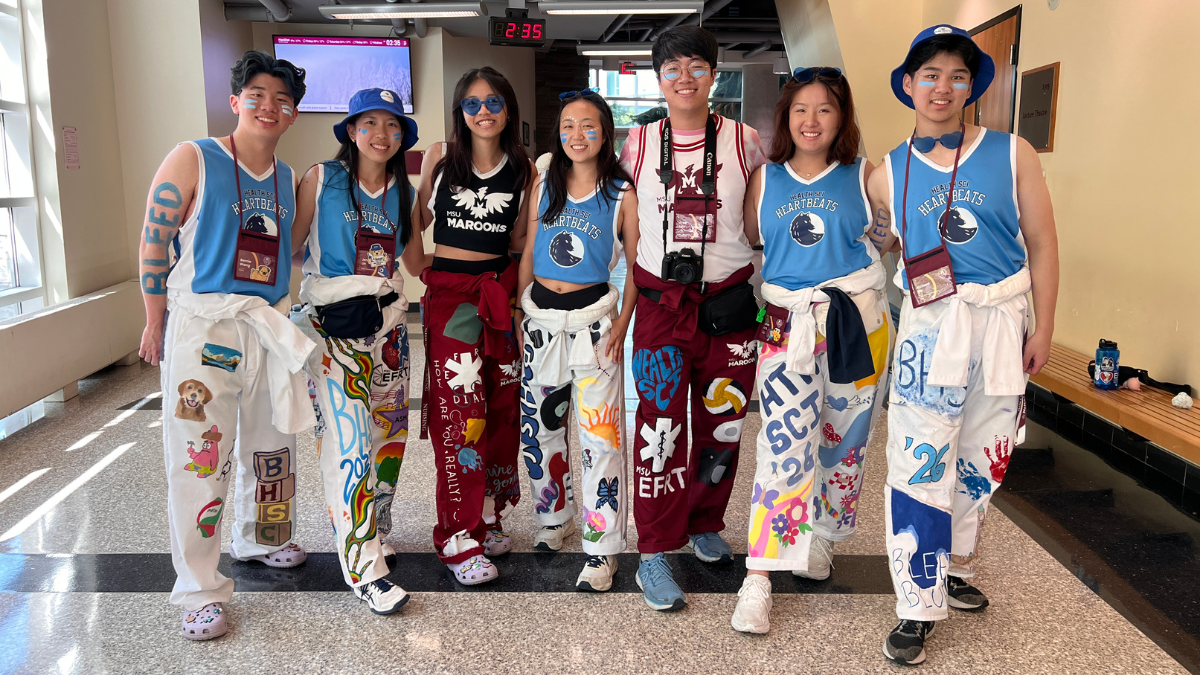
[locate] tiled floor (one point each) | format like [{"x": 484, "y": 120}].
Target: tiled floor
[{"x": 85, "y": 483}]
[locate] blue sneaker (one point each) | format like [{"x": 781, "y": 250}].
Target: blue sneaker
[
  {"x": 658, "y": 586},
  {"x": 710, "y": 547}
]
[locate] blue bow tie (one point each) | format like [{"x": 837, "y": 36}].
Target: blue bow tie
[{"x": 926, "y": 143}]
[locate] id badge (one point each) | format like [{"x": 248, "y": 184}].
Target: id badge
[
  {"x": 374, "y": 254},
  {"x": 773, "y": 328},
  {"x": 257, "y": 258},
  {"x": 930, "y": 277},
  {"x": 691, "y": 213}
]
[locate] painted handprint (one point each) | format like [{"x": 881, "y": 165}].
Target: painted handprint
[
  {"x": 1000, "y": 460},
  {"x": 974, "y": 482}
]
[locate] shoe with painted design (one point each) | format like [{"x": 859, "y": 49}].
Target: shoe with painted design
[
  {"x": 658, "y": 585},
  {"x": 906, "y": 643},
  {"x": 753, "y": 612},
  {"x": 496, "y": 542},
  {"x": 388, "y": 551},
  {"x": 288, "y": 556},
  {"x": 710, "y": 547},
  {"x": 382, "y": 596},
  {"x": 962, "y": 595},
  {"x": 820, "y": 560},
  {"x": 597, "y": 574},
  {"x": 551, "y": 538},
  {"x": 474, "y": 570},
  {"x": 205, "y": 623}
]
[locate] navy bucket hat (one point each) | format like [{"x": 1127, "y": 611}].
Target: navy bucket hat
[
  {"x": 979, "y": 85},
  {"x": 378, "y": 99}
]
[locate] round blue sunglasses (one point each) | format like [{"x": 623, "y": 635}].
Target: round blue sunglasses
[{"x": 493, "y": 103}]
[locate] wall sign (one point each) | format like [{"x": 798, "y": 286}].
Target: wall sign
[
  {"x": 71, "y": 147},
  {"x": 1039, "y": 102}
]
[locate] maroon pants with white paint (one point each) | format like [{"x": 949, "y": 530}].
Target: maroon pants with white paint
[
  {"x": 676, "y": 493},
  {"x": 469, "y": 406}
]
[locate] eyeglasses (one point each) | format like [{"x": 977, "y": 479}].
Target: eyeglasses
[
  {"x": 581, "y": 93},
  {"x": 493, "y": 103},
  {"x": 803, "y": 75},
  {"x": 673, "y": 72}
]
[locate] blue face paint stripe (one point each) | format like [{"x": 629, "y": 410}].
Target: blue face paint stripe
[
  {"x": 960, "y": 85},
  {"x": 250, "y": 103},
  {"x": 396, "y": 137},
  {"x": 564, "y": 137},
  {"x": 591, "y": 135},
  {"x": 287, "y": 110},
  {"x": 924, "y": 83}
]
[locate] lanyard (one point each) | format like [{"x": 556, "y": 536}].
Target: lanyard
[
  {"x": 708, "y": 185},
  {"x": 949, "y": 199},
  {"x": 382, "y": 204},
  {"x": 237, "y": 179}
]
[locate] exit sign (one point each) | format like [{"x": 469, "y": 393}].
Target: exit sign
[{"x": 627, "y": 68}]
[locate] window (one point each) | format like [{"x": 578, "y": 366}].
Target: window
[
  {"x": 20, "y": 254},
  {"x": 636, "y": 100}
]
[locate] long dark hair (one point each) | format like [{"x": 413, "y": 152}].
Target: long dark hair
[
  {"x": 455, "y": 165},
  {"x": 845, "y": 145},
  {"x": 608, "y": 169},
  {"x": 347, "y": 155}
]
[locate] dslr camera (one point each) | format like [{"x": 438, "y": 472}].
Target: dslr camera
[{"x": 684, "y": 266}]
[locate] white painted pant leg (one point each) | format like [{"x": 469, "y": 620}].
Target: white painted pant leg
[
  {"x": 340, "y": 369},
  {"x": 600, "y": 414},
  {"x": 389, "y": 415},
  {"x": 266, "y": 466},
  {"x": 781, "y": 503},
  {"x": 923, "y": 430},
  {"x": 544, "y": 413},
  {"x": 200, "y": 412}
]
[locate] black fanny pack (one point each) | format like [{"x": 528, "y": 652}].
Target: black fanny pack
[
  {"x": 355, "y": 318},
  {"x": 733, "y": 309}
]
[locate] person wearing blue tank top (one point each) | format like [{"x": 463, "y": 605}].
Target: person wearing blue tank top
[
  {"x": 354, "y": 219},
  {"x": 970, "y": 210},
  {"x": 231, "y": 364},
  {"x": 823, "y": 346},
  {"x": 572, "y": 336}
]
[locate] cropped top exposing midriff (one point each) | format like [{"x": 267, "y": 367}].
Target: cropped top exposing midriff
[{"x": 481, "y": 216}]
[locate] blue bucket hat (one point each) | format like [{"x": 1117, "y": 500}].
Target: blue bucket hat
[
  {"x": 983, "y": 79},
  {"x": 378, "y": 99}
]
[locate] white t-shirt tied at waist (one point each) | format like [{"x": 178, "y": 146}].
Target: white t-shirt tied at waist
[
  {"x": 568, "y": 332},
  {"x": 802, "y": 339}
]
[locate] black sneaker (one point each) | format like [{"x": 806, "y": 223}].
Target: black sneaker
[
  {"x": 906, "y": 643},
  {"x": 963, "y": 595}
]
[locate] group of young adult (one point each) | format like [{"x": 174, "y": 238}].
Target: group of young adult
[{"x": 511, "y": 348}]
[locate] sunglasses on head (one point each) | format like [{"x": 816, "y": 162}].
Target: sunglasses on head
[
  {"x": 493, "y": 103},
  {"x": 803, "y": 75},
  {"x": 567, "y": 95}
]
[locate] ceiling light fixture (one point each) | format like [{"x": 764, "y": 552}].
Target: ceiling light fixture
[
  {"x": 622, "y": 7},
  {"x": 425, "y": 10},
  {"x": 615, "y": 49}
]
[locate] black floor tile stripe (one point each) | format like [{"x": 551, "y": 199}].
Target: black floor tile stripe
[{"x": 415, "y": 572}]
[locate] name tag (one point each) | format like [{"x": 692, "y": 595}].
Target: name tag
[{"x": 257, "y": 258}]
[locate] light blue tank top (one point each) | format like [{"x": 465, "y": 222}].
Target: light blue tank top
[
  {"x": 581, "y": 245},
  {"x": 331, "y": 240},
  {"x": 206, "y": 244},
  {"x": 814, "y": 230},
  {"x": 983, "y": 235}
]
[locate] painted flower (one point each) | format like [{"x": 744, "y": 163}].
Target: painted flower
[
  {"x": 849, "y": 502},
  {"x": 789, "y": 539},
  {"x": 780, "y": 524},
  {"x": 831, "y": 435},
  {"x": 595, "y": 520},
  {"x": 799, "y": 513}
]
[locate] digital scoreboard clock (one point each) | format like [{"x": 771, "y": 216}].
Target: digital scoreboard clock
[{"x": 516, "y": 32}]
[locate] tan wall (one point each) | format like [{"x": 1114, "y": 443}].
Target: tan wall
[
  {"x": 460, "y": 54},
  {"x": 223, "y": 43},
  {"x": 1120, "y": 180}
]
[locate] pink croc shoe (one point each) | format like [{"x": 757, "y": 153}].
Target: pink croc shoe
[
  {"x": 205, "y": 623},
  {"x": 288, "y": 556},
  {"x": 474, "y": 570}
]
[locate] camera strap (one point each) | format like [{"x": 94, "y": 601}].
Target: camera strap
[{"x": 708, "y": 184}]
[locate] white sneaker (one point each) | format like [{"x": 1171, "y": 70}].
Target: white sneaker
[
  {"x": 551, "y": 538},
  {"x": 382, "y": 596},
  {"x": 753, "y": 613},
  {"x": 388, "y": 551},
  {"x": 496, "y": 542},
  {"x": 820, "y": 559},
  {"x": 597, "y": 574}
]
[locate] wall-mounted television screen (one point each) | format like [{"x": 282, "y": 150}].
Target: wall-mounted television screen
[{"x": 336, "y": 67}]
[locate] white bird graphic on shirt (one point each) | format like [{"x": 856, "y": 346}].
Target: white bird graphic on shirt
[{"x": 480, "y": 204}]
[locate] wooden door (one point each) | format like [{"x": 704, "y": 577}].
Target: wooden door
[{"x": 999, "y": 38}]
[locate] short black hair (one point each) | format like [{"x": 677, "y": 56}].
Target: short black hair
[
  {"x": 682, "y": 42},
  {"x": 254, "y": 63},
  {"x": 955, "y": 45}
]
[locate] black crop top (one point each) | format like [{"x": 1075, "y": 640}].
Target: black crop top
[{"x": 480, "y": 217}]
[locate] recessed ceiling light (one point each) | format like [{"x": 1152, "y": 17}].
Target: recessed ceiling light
[
  {"x": 615, "y": 49},
  {"x": 425, "y": 10},
  {"x": 622, "y": 7}
]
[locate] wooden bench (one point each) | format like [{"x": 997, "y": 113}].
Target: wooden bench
[{"x": 1148, "y": 412}]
